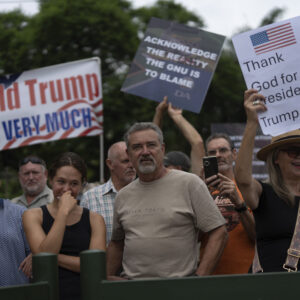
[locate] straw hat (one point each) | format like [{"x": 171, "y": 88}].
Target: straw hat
[{"x": 277, "y": 141}]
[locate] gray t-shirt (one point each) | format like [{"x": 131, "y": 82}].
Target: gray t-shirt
[{"x": 160, "y": 221}]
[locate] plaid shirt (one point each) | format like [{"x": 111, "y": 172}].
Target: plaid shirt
[{"x": 101, "y": 200}]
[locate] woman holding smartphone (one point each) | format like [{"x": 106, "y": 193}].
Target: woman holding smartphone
[{"x": 63, "y": 227}]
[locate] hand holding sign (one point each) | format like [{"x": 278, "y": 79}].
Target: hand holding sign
[
  {"x": 174, "y": 60},
  {"x": 269, "y": 59},
  {"x": 254, "y": 103}
]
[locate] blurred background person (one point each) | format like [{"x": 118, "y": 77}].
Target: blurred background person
[
  {"x": 33, "y": 176},
  {"x": 177, "y": 160},
  {"x": 101, "y": 199}
]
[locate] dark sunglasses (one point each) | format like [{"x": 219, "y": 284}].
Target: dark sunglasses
[
  {"x": 292, "y": 152},
  {"x": 32, "y": 159}
]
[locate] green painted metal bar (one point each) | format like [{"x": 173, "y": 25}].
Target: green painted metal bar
[
  {"x": 45, "y": 268},
  {"x": 266, "y": 286},
  {"x": 45, "y": 286},
  {"x": 92, "y": 273},
  {"x": 36, "y": 291}
]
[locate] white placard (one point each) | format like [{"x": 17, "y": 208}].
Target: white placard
[
  {"x": 56, "y": 102},
  {"x": 270, "y": 61}
]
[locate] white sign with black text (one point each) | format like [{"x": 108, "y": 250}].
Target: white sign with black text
[{"x": 270, "y": 61}]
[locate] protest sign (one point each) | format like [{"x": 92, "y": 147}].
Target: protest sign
[
  {"x": 270, "y": 61},
  {"x": 52, "y": 103},
  {"x": 235, "y": 131},
  {"x": 174, "y": 60}
]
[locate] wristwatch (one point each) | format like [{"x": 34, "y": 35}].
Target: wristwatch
[{"x": 241, "y": 208}]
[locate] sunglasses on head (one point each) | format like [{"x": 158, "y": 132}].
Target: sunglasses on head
[
  {"x": 292, "y": 152},
  {"x": 32, "y": 159}
]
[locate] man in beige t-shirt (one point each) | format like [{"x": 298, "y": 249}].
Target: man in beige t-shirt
[{"x": 157, "y": 217}]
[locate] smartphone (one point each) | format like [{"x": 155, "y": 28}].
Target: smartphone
[{"x": 210, "y": 165}]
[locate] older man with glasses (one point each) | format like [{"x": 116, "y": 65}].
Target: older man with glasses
[{"x": 33, "y": 180}]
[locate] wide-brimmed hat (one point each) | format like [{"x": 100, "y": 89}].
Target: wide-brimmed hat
[{"x": 279, "y": 140}]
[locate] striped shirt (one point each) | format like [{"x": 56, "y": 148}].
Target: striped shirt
[
  {"x": 101, "y": 200},
  {"x": 13, "y": 244}
]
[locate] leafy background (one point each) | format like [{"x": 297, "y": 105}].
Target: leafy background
[{"x": 111, "y": 29}]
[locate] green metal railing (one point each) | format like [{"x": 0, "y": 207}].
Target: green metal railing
[
  {"x": 94, "y": 286},
  {"x": 264, "y": 286},
  {"x": 45, "y": 281}
]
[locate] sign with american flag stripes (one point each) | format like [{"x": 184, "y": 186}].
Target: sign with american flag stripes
[
  {"x": 274, "y": 38},
  {"x": 52, "y": 103},
  {"x": 270, "y": 61}
]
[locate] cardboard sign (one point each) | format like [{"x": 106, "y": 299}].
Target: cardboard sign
[
  {"x": 270, "y": 61},
  {"x": 174, "y": 60},
  {"x": 235, "y": 132},
  {"x": 57, "y": 102}
]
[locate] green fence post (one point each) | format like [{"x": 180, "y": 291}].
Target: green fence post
[
  {"x": 45, "y": 268},
  {"x": 92, "y": 272}
]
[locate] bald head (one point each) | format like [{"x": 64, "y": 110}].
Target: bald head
[
  {"x": 121, "y": 169},
  {"x": 116, "y": 149}
]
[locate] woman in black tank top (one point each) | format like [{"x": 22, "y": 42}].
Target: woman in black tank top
[
  {"x": 63, "y": 227},
  {"x": 274, "y": 203}
]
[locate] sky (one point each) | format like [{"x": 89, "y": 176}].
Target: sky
[{"x": 224, "y": 17}]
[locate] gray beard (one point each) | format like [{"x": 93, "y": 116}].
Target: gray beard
[
  {"x": 148, "y": 169},
  {"x": 33, "y": 190}
]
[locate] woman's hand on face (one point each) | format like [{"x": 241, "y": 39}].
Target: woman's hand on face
[
  {"x": 254, "y": 103},
  {"x": 67, "y": 202}
]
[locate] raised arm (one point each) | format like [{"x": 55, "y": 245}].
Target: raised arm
[
  {"x": 249, "y": 187},
  {"x": 192, "y": 136},
  {"x": 161, "y": 108}
]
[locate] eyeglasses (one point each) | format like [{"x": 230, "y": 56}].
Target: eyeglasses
[
  {"x": 32, "y": 159},
  {"x": 292, "y": 152}
]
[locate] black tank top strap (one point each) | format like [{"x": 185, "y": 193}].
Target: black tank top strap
[
  {"x": 85, "y": 219},
  {"x": 47, "y": 219}
]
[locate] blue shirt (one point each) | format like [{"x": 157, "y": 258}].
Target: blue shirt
[
  {"x": 101, "y": 200},
  {"x": 13, "y": 244}
]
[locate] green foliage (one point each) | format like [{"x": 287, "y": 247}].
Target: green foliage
[
  {"x": 272, "y": 16},
  {"x": 168, "y": 10},
  {"x": 13, "y": 40},
  {"x": 70, "y": 30}
]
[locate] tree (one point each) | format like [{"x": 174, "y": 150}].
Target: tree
[
  {"x": 111, "y": 29},
  {"x": 13, "y": 41},
  {"x": 71, "y": 30}
]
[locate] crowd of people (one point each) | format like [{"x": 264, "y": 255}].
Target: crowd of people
[{"x": 158, "y": 216}]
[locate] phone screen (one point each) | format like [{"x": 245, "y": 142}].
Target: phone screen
[{"x": 210, "y": 165}]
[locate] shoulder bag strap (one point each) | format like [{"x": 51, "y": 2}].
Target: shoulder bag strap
[{"x": 293, "y": 253}]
